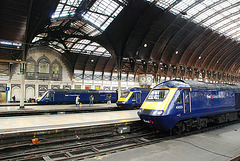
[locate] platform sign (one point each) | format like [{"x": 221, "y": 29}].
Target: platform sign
[{"x": 7, "y": 88}]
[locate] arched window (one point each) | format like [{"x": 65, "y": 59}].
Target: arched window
[
  {"x": 43, "y": 67},
  {"x": 30, "y": 67},
  {"x": 56, "y": 71},
  {"x": 55, "y": 68}
]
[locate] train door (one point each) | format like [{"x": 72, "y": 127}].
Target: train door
[
  {"x": 186, "y": 101},
  {"x": 96, "y": 97},
  {"x": 138, "y": 97},
  {"x": 51, "y": 97}
]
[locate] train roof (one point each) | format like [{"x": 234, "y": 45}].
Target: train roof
[
  {"x": 81, "y": 91},
  {"x": 138, "y": 89},
  {"x": 197, "y": 85}
]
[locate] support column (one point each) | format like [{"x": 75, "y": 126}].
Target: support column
[
  {"x": 25, "y": 48},
  {"x": 22, "y": 95},
  {"x": 119, "y": 83}
]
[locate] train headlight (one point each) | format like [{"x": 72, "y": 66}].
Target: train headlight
[
  {"x": 157, "y": 112},
  {"x": 140, "y": 111},
  {"x": 123, "y": 102}
]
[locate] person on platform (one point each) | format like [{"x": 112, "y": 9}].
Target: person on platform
[
  {"x": 91, "y": 98},
  {"x": 77, "y": 101},
  {"x": 109, "y": 99},
  {"x": 14, "y": 98}
]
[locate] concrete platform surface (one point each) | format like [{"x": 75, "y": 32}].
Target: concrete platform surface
[
  {"x": 48, "y": 122},
  {"x": 217, "y": 145},
  {"x": 34, "y": 107}
]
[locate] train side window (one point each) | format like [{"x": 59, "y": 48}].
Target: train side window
[
  {"x": 186, "y": 94},
  {"x": 179, "y": 99},
  {"x": 47, "y": 95},
  {"x": 133, "y": 96},
  {"x": 237, "y": 100}
]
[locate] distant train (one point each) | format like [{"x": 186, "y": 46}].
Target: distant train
[
  {"x": 182, "y": 105},
  {"x": 133, "y": 98},
  {"x": 61, "y": 96}
]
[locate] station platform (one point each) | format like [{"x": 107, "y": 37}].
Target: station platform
[
  {"x": 33, "y": 123},
  {"x": 31, "y": 108},
  {"x": 17, "y": 104}
]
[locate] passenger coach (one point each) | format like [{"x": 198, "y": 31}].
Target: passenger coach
[
  {"x": 62, "y": 96},
  {"x": 182, "y": 105}
]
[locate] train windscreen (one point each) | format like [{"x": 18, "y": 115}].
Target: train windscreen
[
  {"x": 124, "y": 94},
  {"x": 39, "y": 98},
  {"x": 158, "y": 95}
]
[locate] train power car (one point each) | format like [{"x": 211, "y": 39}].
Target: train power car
[
  {"x": 179, "y": 106},
  {"x": 132, "y": 98},
  {"x": 61, "y": 96}
]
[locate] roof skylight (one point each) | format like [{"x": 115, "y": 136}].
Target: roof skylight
[
  {"x": 209, "y": 13},
  {"x": 79, "y": 19},
  {"x": 102, "y": 13}
]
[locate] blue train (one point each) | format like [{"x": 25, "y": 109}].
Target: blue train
[
  {"x": 61, "y": 96},
  {"x": 179, "y": 106},
  {"x": 133, "y": 98}
]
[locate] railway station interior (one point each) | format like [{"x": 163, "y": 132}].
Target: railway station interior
[{"x": 114, "y": 45}]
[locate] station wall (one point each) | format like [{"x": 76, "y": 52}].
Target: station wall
[{"x": 45, "y": 69}]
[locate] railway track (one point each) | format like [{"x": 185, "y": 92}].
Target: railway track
[{"x": 82, "y": 149}]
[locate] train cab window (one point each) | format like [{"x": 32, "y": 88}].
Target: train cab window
[
  {"x": 47, "y": 95},
  {"x": 186, "y": 94},
  {"x": 124, "y": 94},
  {"x": 179, "y": 99},
  {"x": 158, "y": 95}
]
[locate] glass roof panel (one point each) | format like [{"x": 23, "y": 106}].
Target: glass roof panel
[
  {"x": 213, "y": 20},
  {"x": 101, "y": 49},
  {"x": 215, "y": 13},
  {"x": 101, "y": 11},
  {"x": 182, "y": 6},
  {"x": 233, "y": 31},
  {"x": 36, "y": 39},
  {"x": 90, "y": 48},
  {"x": 228, "y": 27},
  {"x": 84, "y": 41},
  {"x": 93, "y": 19},
  {"x": 66, "y": 8},
  {"x": 236, "y": 35},
  {"x": 201, "y": 17}
]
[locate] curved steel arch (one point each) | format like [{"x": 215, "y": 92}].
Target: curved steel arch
[
  {"x": 181, "y": 47},
  {"x": 179, "y": 27},
  {"x": 213, "y": 47},
  {"x": 204, "y": 40},
  {"x": 222, "y": 55}
]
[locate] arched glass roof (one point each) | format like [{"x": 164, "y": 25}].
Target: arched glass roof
[
  {"x": 100, "y": 15},
  {"x": 83, "y": 20},
  {"x": 219, "y": 15}
]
